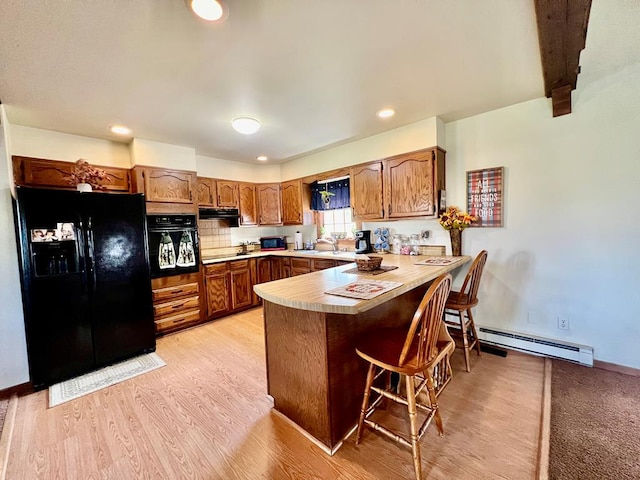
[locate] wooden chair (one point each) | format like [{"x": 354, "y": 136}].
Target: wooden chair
[
  {"x": 460, "y": 304},
  {"x": 421, "y": 353}
]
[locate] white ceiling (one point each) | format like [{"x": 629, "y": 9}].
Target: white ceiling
[{"x": 314, "y": 72}]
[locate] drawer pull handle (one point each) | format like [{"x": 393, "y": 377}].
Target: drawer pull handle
[
  {"x": 177, "y": 321},
  {"x": 177, "y": 291},
  {"x": 177, "y": 306}
]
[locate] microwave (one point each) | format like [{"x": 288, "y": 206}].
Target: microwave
[{"x": 273, "y": 243}]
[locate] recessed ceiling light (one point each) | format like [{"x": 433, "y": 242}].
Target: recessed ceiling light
[
  {"x": 210, "y": 10},
  {"x": 262, "y": 158},
  {"x": 386, "y": 113},
  {"x": 245, "y": 125},
  {"x": 120, "y": 129}
]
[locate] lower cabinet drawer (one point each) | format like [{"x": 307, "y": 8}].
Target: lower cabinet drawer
[
  {"x": 176, "y": 306},
  {"x": 167, "y": 293},
  {"x": 176, "y": 321},
  {"x": 322, "y": 264}
]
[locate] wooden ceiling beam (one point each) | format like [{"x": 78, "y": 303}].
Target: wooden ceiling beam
[{"x": 562, "y": 32}]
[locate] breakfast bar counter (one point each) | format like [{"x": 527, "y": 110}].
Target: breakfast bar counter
[{"x": 313, "y": 373}]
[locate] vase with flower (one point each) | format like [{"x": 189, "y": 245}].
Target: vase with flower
[
  {"x": 454, "y": 220},
  {"x": 86, "y": 177}
]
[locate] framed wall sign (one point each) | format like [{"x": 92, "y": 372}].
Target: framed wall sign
[{"x": 485, "y": 196}]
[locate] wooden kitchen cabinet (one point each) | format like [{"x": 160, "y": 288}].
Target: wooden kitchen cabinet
[
  {"x": 412, "y": 181},
  {"x": 296, "y": 203},
  {"x": 269, "y": 269},
  {"x": 229, "y": 286},
  {"x": 166, "y": 191},
  {"x": 206, "y": 195},
  {"x": 286, "y": 267},
  {"x": 216, "y": 280},
  {"x": 227, "y": 194},
  {"x": 367, "y": 194},
  {"x": 300, "y": 266},
  {"x": 40, "y": 172},
  {"x": 176, "y": 302},
  {"x": 248, "y": 204},
  {"x": 269, "y": 204},
  {"x": 241, "y": 284},
  {"x": 402, "y": 186},
  {"x": 322, "y": 264}
]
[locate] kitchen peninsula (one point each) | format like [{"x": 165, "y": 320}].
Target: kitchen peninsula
[{"x": 313, "y": 373}]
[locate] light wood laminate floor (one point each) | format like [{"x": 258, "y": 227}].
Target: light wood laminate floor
[{"x": 206, "y": 416}]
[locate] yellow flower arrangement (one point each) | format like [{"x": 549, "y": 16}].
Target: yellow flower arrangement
[{"x": 455, "y": 219}]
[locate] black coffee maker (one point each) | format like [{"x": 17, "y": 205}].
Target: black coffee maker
[{"x": 363, "y": 241}]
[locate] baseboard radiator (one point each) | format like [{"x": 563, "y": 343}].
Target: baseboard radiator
[{"x": 540, "y": 346}]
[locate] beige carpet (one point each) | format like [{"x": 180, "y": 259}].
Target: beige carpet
[{"x": 595, "y": 424}]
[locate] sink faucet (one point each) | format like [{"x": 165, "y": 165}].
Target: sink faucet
[{"x": 331, "y": 241}]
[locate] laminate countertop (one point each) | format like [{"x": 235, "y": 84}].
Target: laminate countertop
[
  {"x": 283, "y": 253},
  {"x": 307, "y": 292}
]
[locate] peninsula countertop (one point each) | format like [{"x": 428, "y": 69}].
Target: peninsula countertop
[{"x": 307, "y": 292}]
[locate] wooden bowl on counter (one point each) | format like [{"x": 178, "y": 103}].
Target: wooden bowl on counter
[{"x": 373, "y": 263}]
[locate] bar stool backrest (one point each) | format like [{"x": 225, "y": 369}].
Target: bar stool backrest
[
  {"x": 472, "y": 280},
  {"x": 425, "y": 324}
]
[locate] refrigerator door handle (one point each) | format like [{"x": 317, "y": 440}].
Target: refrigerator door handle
[
  {"x": 82, "y": 256},
  {"x": 91, "y": 267}
]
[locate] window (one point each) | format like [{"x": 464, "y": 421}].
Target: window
[{"x": 338, "y": 223}]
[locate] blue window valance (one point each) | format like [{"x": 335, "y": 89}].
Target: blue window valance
[{"x": 338, "y": 196}]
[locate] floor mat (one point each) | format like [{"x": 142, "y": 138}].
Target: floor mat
[{"x": 105, "y": 377}]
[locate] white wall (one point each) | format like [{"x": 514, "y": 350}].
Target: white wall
[
  {"x": 14, "y": 366},
  {"x": 571, "y": 230},
  {"x": 34, "y": 142},
  {"x": 412, "y": 137},
  {"x": 228, "y": 170},
  {"x": 163, "y": 155}
]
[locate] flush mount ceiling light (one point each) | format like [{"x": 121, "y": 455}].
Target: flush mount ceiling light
[
  {"x": 262, "y": 158},
  {"x": 386, "y": 113},
  {"x": 120, "y": 130},
  {"x": 209, "y": 10},
  {"x": 245, "y": 125}
]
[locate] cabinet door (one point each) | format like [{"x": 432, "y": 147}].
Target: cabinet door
[
  {"x": 40, "y": 172},
  {"x": 241, "y": 287},
  {"x": 292, "y": 202},
  {"x": 217, "y": 286},
  {"x": 168, "y": 185},
  {"x": 206, "y": 192},
  {"x": 367, "y": 191},
  {"x": 410, "y": 184},
  {"x": 264, "y": 270},
  {"x": 269, "y": 204},
  {"x": 227, "y": 194},
  {"x": 276, "y": 268},
  {"x": 248, "y": 207}
]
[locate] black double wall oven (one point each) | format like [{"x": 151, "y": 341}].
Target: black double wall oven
[{"x": 173, "y": 244}]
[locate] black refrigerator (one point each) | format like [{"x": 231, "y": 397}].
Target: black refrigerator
[{"x": 85, "y": 280}]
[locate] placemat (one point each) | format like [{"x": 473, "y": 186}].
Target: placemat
[
  {"x": 378, "y": 271},
  {"x": 438, "y": 261},
  {"x": 364, "y": 289}
]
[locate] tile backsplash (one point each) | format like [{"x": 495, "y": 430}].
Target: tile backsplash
[{"x": 214, "y": 234}]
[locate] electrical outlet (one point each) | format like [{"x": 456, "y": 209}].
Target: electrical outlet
[{"x": 563, "y": 322}]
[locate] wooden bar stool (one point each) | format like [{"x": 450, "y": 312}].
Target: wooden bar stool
[
  {"x": 460, "y": 304},
  {"x": 420, "y": 352}
]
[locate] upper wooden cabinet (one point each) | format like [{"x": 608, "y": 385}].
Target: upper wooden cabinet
[
  {"x": 296, "y": 203},
  {"x": 366, "y": 189},
  {"x": 248, "y": 205},
  {"x": 40, "y": 172},
  {"x": 163, "y": 185},
  {"x": 206, "y": 195},
  {"x": 402, "y": 186},
  {"x": 269, "y": 204},
  {"x": 227, "y": 194},
  {"x": 412, "y": 181}
]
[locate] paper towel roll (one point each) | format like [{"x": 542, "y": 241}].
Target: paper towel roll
[{"x": 298, "y": 241}]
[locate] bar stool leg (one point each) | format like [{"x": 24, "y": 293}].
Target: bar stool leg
[
  {"x": 413, "y": 419},
  {"x": 365, "y": 402},
  {"x": 473, "y": 329},
  {"x": 433, "y": 399},
  {"x": 465, "y": 340}
]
